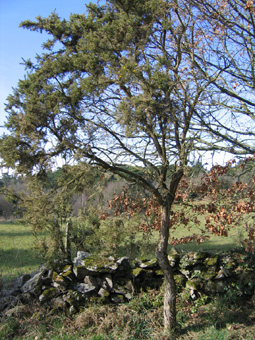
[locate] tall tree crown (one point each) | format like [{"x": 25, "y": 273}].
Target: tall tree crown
[{"x": 129, "y": 82}]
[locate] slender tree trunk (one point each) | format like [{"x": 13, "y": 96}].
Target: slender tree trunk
[
  {"x": 67, "y": 241},
  {"x": 162, "y": 256},
  {"x": 170, "y": 287}
]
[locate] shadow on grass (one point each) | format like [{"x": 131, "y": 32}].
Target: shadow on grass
[
  {"x": 223, "y": 315},
  {"x": 11, "y": 234},
  {"x": 211, "y": 246},
  {"x": 18, "y": 257},
  {"x": 16, "y": 262}
]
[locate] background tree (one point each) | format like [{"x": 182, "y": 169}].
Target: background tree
[{"x": 122, "y": 85}]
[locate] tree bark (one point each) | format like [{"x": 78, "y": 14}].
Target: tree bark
[
  {"x": 162, "y": 256},
  {"x": 68, "y": 241}
]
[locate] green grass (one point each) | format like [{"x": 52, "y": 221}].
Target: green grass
[{"x": 17, "y": 253}]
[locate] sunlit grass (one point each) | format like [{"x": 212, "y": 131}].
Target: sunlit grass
[{"x": 17, "y": 253}]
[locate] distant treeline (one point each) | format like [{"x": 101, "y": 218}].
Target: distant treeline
[{"x": 241, "y": 171}]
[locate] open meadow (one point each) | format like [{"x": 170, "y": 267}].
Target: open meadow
[{"x": 17, "y": 253}]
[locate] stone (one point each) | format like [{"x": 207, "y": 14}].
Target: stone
[
  {"x": 117, "y": 298},
  {"x": 148, "y": 263},
  {"x": 105, "y": 279},
  {"x": 211, "y": 261},
  {"x": 61, "y": 282},
  {"x": 185, "y": 272},
  {"x": 107, "y": 282},
  {"x": 58, "y": 303},
  {"x": 80, "y": 272},
  {"x": 209, "y": 273},
  {"x": 188, "y": 261},
  {"x": 196, "y": 272},
  {"x": 20, "y": 281},
  {"x": 193, "y": 294},
  {"x": 193, "y": 284},
  {"x": 213, "y": 287},
  {"x": 68, "y": 275},
  {"x": 81, "y": 255},
  {"x": 128, "y": 296},
  {"x": 92, "y": 281},
  {"x": 74, "y": 298},
  {"x": 200, "y": 256},
  {"x": 222, "y": 274},
  {"x": 103, "y": 293},
  {"x": 174, "y": 259},
  {"x": 34, "y": 285},
  {"x": 83, "y": 288},
  {"x": 228, "y": 262},
  {"x": 123, "y": 265},
  {"x": 73, "y": 310},
  {"x": 48, "y": 294},
  {"x": 96, "y": 264}
]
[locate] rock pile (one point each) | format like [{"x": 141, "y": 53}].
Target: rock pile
[{"x": 93, "y": 278}]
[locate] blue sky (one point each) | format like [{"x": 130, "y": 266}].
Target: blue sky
[{"x": 17, "y": 43}]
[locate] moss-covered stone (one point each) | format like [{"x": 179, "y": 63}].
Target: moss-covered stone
[
  {"x": 117, "y": 298},
  {"x": 211, "y": 261},
  {"x": 180, "y": 281},
  {"x": 68, "y": 275},
  {"x": 99, "y": 264},
  {"x": 228, "y": 262},
  {"x": 193, "y": 284},
  {"x": 196, "y": 272},
  {"x": 148, "y": 263},
  {"x": 48, "y": 294},
  {"x": 67, "y": 268},
  {"x": 54, "y": 275},
  {"x": 61, "y": 281},
  {"x": 208, "y": 273},
  {"x": 213, "y": 287},
  {"x": 136, "y": 271},
  {"x": 174, "y": 259},
  {"x": 200, "y": 256},
  {"x": 159, "y": 272},
  {"x": 186, "y": 272},
  {"x": 80, "y": 272},
  {"x": 188, "y": 260},
  {"x": 74, "y": 298},
  {"x": 103, "y": 293}
]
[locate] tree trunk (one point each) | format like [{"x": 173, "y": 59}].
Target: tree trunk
[
  {"x": 162, "y": 257},
  {"x": 68, "y": 242}
]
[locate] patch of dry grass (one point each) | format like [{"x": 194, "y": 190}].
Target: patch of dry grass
[{"x": 141, "y": 319}]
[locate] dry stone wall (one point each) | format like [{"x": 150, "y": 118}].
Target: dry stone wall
[{"x": 93, "y": 278}]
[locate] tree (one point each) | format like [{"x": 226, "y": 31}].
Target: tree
[
  {"x": 122, "y": 85},
  {"x": 227, "y": 31}
]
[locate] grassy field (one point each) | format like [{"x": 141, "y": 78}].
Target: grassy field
[{"x": 17, "y": 253}]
